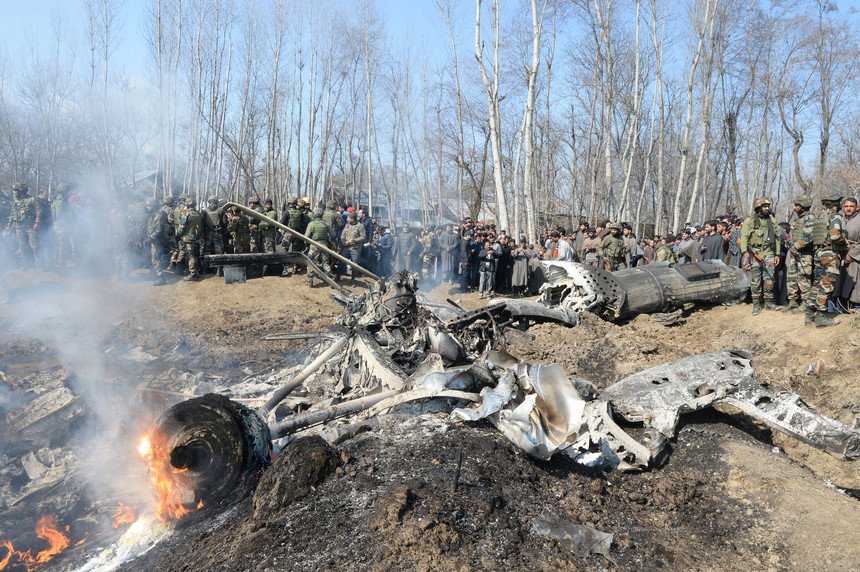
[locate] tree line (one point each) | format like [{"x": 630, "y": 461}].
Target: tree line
[{"x": 527, "y": 112}]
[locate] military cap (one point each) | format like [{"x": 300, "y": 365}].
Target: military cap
[
  {"x": 804, "y": 201},
  {"x": 615, "y": 226},
  {"x": 291, "y": 200},
  {"x": 760, "y": 202},
  {"x": 318, "y": 211},
  {"x": 351, "y": 215}
]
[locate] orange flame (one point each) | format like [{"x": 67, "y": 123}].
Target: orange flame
[
  {"x": 124, "y": 514},
  {"x": 164, "y": 479},
  {"x": 46, "y": 529}
]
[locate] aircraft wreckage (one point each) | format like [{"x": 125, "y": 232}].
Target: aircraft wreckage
[{"x": 388, "y": 353}]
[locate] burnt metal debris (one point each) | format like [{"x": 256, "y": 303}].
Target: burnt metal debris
[
  {"x": 388, "y": 352},
  {"x": 646, "y": 289}
]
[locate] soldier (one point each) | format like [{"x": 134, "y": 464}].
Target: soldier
[
  {"x": 829, "y": 247},
  {"x": 321, "y": 232},
  {"x": 352, "y": 239},
  {"x": 191, "y": 236},
  {"x": 591, "y": 249},
  {"x": 799, "y": 265},
  {"x": 214, "y": 223},
  {"x": 429, "y": 253},
  {"x": 268, "y": 230},
  {"x": 296, "y": 222},
  {"x": 665, "y": 253},
  {"x": 331, "y": 217},
  {"x": 254, "y": 225},
  {"x": 159, "y": 232},
  {"x": 177, "y": 254},
  {"x": 760, "y": 253},
  {"x": 405, "y": 248},
  {"x": 61, "y": 213},
  {"x": 613, "y": 249},
  {"x": 24, "y": 219},
  {"x": 239, "y": 230}
]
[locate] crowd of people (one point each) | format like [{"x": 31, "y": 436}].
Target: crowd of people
[{"x": 809, "y": 265}]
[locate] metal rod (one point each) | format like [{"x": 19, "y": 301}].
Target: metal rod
[
  {"x": 291, "y": 232},
  {"x": 305, "y": 420},
  {"x": 284, "y": 391}
]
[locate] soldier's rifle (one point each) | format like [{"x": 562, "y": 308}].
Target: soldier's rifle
[{"x": 291, "y": 232}]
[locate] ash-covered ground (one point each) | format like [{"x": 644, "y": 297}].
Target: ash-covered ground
[{"x": 731, "y": 496}]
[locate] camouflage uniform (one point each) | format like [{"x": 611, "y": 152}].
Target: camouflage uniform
[
  {"x": 296, "y": 222},
  {"x": 254, "y": 226},
  {"x": 177, "y": 257},
  {"x": 159, "y": 232},
  {"x": 191, "y": 234},
  {"x": 331, "y": 218},
  {"x": 213, "y": 228},
  {"x": 321, "y": 232},
  {"x": 239, "y": 230},
  {"x": 666, "y": 253},
  {"x": 759, "y": 248},
  {"x": 613, "y": 248},
  {"x": 799, "y": 264},
  {"x": 269, "y": 231},
  {"x": 430, "y": 252},
  {"x": 829, "y": 243},
  {"x": 24, "y": 219}
]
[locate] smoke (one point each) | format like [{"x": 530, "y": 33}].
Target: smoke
[{"x": 73, "y": 313}]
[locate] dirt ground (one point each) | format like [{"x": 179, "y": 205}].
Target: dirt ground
[{"x": 731, "y": 496}]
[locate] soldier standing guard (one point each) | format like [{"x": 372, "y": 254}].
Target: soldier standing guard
[
  {"x": 799, "y": 266},
  {"x": 613, "y": 248},
  {"x": 24, "y": 219},
  {"x": 159, "y": 232},
  {"x": 191, "y": 234},
  {"x": 321, "y": 232},
  {"x": 760, "y": 254},
  {"x": 830, "y": 245}
]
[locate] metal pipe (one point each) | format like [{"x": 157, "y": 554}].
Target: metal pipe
[
  {"x": 312, "y": 367},
  {"x": 291, "y": 232},
  {"x": 305, "y": 420}
]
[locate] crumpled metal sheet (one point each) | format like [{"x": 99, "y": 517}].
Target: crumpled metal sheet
[
  {"x": 659, "y": 395},
  {"x": 546, "y": 419}
]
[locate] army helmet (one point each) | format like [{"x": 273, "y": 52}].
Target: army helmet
[
  {"x": 318, "y": 212},
  {"x": 330, "y": 205},
  {"x": 20, "y": 188},
  {"x": 831, "y": 196},
  {"x": 302, "y": 203},
  {"x": 614, "y": 226},
  {"x": 254, "y": 201},
  {"x": 291, "y": 200},
  {"x": 167, "y": 201},
  {"x": 761, "y": 202},
  {"x": 190, "y": 202},
  {"x": 804, "y": 201},
  {"x": 213, "y": 199}
]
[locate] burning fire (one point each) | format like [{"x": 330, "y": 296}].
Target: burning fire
[
  {"x": 164, "y": 479},
  {"x": 124, "y": 514},
  {"x": 46, "y": 529}
]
